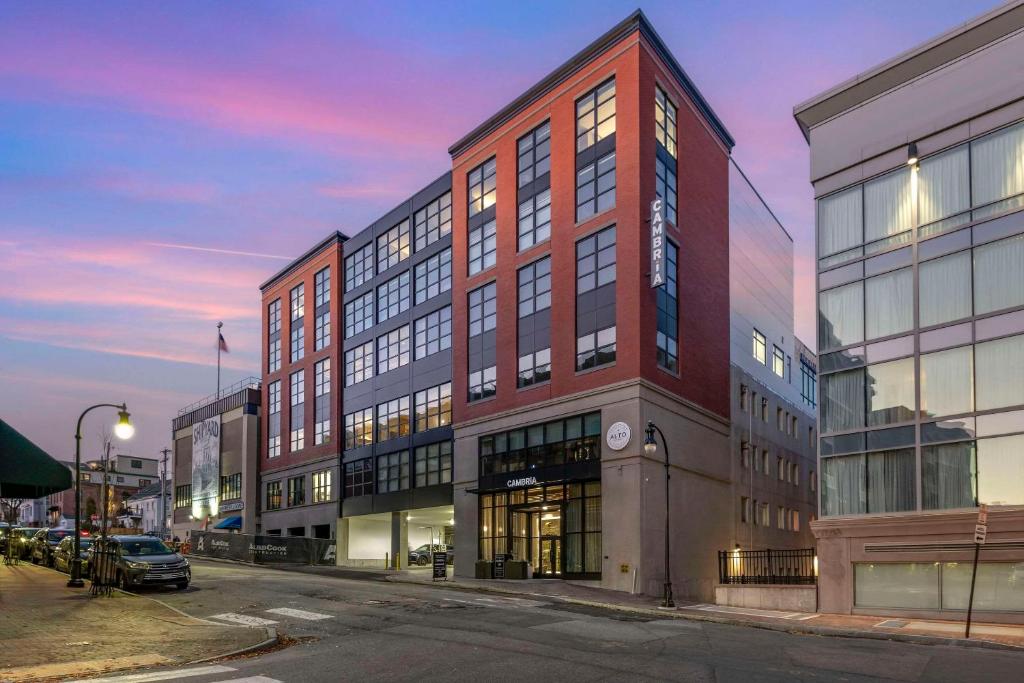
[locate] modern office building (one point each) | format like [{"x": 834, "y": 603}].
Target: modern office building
[
  {"x": 918, "y": 172},
  {"x": 214, "y": 468}
]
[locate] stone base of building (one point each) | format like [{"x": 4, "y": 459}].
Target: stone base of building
[
  {"x": 786, "y": 598},
  {"x": 919, "y": 565}
]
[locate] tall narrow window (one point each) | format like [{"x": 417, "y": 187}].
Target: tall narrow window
[
  {"x": 483, "y": 246},
  {"x": 595, "y": 115},
  {"x": 393, "y": 297},
  {"x": 297, "y": 327},
  {"x": 359, "y": 364},
  {"x": 393, "y": 349},
  {"x": 482, "y": 183},
  {"x": 534, "y": 151},
  {"x": 665, "y": 153},
  {"x": 433, "y": 332},
  {"x": 433, "y": 221},
  {"x": 298, "y": 413},
  {"x": 274, "y": 336},
  {"x": 322, "y": 486},
  {"x": 534, "y": 342},
  {"x": 322, "y": 327},
  {"x": 393, "y": 246},
  {"x": 274, "y": 419},
  {"x": 760, "y": 348},
  {"x": 534, "y": 187},
  {"x": 358, "y": 267},
  {"x": 595, "y": 187},
  {"x": 359, "y": 315},
  {"x": 322, "y": 402},
  {"x": 668, "y": 312},
  {"x": 534, "y": 219},
  {"x": 778, "y": 361},
  {"x": 434, "y": 276},
  {"x": 595, "y": 300},
  {"x": 482, "y": 343}
]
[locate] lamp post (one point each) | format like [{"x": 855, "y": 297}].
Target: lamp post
[
  {"x": 651, "y": 447},
  {"x": 124, "y": 430}
]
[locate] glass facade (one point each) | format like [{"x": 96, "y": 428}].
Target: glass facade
[{"x": 921, "y": 337}]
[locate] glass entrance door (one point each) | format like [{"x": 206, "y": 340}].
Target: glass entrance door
[{"x": 547, "y": 524}]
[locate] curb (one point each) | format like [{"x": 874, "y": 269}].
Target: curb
[
  {"x": 795, "y": 628},
  {"x": 272, "y": 639}
]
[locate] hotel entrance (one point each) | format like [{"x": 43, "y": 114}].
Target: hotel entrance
[{"x": 537, "y": 538}]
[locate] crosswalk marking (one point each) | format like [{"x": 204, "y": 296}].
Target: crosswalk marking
[
  {"x": 243, "y": 619},
  {"x": 160, "y": 675},
  {"x": 752, "y": 612},
  {"x": 251, "y": 679},
  {"x": 299, "y": 613}
]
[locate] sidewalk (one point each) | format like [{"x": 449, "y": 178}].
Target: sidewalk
[{"x": 52, "y": 631}]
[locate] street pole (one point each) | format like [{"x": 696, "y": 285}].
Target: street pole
[
  {"x": 219, "y": 325},
  {"x": 106, "y": 494},
  {"x": 666, "y": 601},
  {"x": 970, "y": 600},
  {"x": 163, "y": 492}
]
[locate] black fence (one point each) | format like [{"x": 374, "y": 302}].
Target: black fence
[
  {"x": 768, "y": 566},
  {"x": 263, "y": 549}
]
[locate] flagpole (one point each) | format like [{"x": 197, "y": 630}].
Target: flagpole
[{"x": 219, "y": 325}]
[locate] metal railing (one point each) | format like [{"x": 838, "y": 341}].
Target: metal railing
[
  {"x": 768, "y": 566},
  {"x": 247, "y": 383}
]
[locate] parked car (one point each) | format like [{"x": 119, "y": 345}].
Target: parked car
[
  {"x": 5, "y": 530},
  {"x": 65, "y": 550},
  {"x": 45, "y": 542},
  {"x": 421, "y": 556},
  {"x": 140, "y": 561},
  {"x": 21, "y": 538}
]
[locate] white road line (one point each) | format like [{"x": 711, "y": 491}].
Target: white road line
[
  {"x": 299, "y": 613},
  {"x": 160, "y": 675},
  {"x": 250, "y": 679},
  {"x": 243, "y": 619}
]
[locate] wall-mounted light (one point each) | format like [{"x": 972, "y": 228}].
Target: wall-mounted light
[{"x": 912, "y": 154}]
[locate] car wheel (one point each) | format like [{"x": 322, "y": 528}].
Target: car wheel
[
  {"x": 183, "y": 585},
  {"x": 422, "y": 561},
  {"x": 122, "y": 582}
]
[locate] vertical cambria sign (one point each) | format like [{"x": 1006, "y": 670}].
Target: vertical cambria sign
[
  {"x": 205, "y": 466},
  {"x": 658, "y": 264}
]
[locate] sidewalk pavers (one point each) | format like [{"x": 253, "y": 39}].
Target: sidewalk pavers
[{"x": 51, "y": 631}]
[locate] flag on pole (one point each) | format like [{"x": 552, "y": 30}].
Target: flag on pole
[{"x": 223, "y": 345}]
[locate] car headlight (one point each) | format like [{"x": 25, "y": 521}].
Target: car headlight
[{"x": 139, "y": 565}]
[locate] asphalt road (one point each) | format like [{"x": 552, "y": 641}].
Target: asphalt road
[{"x": 373, "y": 630}]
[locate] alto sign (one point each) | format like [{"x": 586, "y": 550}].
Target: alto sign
[
  {"x": 658, "y": 261},
  {"x": 618, "y": 436}
]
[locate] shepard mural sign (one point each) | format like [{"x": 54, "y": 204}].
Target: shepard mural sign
[{"x": 205, "y": 466}]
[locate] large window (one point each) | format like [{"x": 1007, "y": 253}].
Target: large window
[
  {"x": 876, "y": 482},
  {"x": 358, "y": 267},
  {"x": 576, "y": 439},
  {"x": 298, "y": 412},
  {"x": 595, "y": 115},
  {"x": 760, "y": 348},
  {"x": 359, "y": 478},
  {"x": 945, "y": 289},
  {"x": 665, "y": 184},
  {"x": 534, "y": 343},
  {"x": 274, "y": 336},
  {"x": 889, "y": 303},
  {"x": 841, "y": 316},
  {"x": 595, "y": 299},
  {"x": 891, "y": 389},
  {"x": 359, "y": 428},
  {"x": 393, "y": 472},
  {"x": 483, "y": 383},
  {"x": 483, "y": 246},
  {"x": 482, "y": 185},
  {"x": 183, "y": 496},
  {"x": 393, "y": 419},
  {"x": 434, "y": 276},
  {"x": 273, "y": 495},
  {"x": 393, "y": 246},
  {"x": 393, "y": 349},
  {"x": 297, "y": 326},
  {"x": 999, "y": 275},
  {"x": 483, "y": 310},
  {"x": 359, "y": 315},
  {"x": 296, "y": 491},
  {"x": 433, "y": 464},
  {"x": 274, "y": 419},
  {"x": 808, "y": 384},
  {"x": 667, "y": 339},
  {"x": 534, "y": 151},
  {"x": 359, "y": 364},
  {"x": 482, "y": 343},
  {"x": 433, "y": 407},
  {"x": 433, "y": 221},
  {"x": 322, "y": 486},
  {"x": 534, "y": 219},
  {"x": 842, "y": 401},
  {"x": 322, "y": 402},
  {"x": 665, "y": 121},
  {"x": 393, "y": 297},
  {"x": 322, "y": 326},
  {"x": 999, "y": 373},
  {"x": 947, "y": 382},
  {"x": 595, "y": 187},
  {"x": 433, "y": 332}
]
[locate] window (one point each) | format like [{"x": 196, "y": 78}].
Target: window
[
  {"x": 231, "y": 486},
  {"x": 483, "y": 309},
  {"x": 745, "y": 513},
  {"x": 359, "y": 364},
  {"x": 298, "y": 301},
  {"x": 433, "y": 407},
  {"x": 576, "y": 439},
  {"x": 889, "y": 303},
  {"x": 273, "y": 495},
  {"x": 947, "y": 382},
  {"x": 393, "y": 472},
  {"x": 945, "y": 289},
  {"x": 296, "y": 491},
  {"x": 322, "y": 402},
  {"x": 744, "y": 455},
  {"x": 744, "y": 398},
  {"x": 760, "y": 348},
  {"x": 534, "y": 343},
  {"x": 665, "y": 121},
  {"x": 595, "y": 260},
  {"x": 359, "y": 315},
  {"x": 891, "y": 396},
  {"x": 274, "y": 336},
  {"x": 764, "y": 514},
  {"x": 780, "y": 517},
  {"x": 764, "y": 462},
  {"x": 433, "y": 221},
  {"x": 778, "y": 361},
  {"x": 794, "y": 520},
  {"x": 534, "y": 219},
  {"x": 756, "y": 458},
  {"x": 999, "y": 274},
  {"x": 483, "y": 245},
  {"x": 534, "y": 151},
  {"x": 781, "y": 467},
  {"x": 183, "y": 496},
  {"x": 665, "y": 184},
  {"x": 534, "y": 367},
  {"x": 876, "y": 482},
  {"x": 393, "y": 297},
  {"x": 841, "y": 315},
  {"x": 595, "y": 299},
  {"x": 359, "y": 267},
  {"x": 322, "y": 330},
  {"x": 595, "y": 348},
  {"x": 322, "y": 486},
  {"x": 667, "y": 339},
  {"x": 794, "y": 474},
  {"x": 433, "y": 464},
  {"x": 842, "y": 401},
  {"x": 393, "y": 349},
  {"x": 274, "y": 419},
  {"x": 808, "y": 384},
  {"x": 482, "y": 383},
  {"x": 393, "y": 246},
  {"x": 996, "y": 168},
  {"x": 433, "y": 332},
  {"x": 482, "y": 182},
  {"x": 393, "y": 419},
  {"x": 534, "y": 287},
  {"x": 595, "y": 187},
  {"x": 322, "y": 287},
  {"x": 359, "y": 428},
  {"x": 434, "y": 276},
  {"x": 595, "y": 115},
  {"x": 780, "y": 422},
  {"x": 999, "y": 373},
  {"x": 764, "y": 409},
  {"x": 298, "y": 413},
  {"x": 322, "y": 322},
  {"x": 298, "y": 332},
  {"x": 359, "y": 478}
]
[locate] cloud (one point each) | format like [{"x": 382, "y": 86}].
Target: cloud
[{"x": 213, "y": 250}]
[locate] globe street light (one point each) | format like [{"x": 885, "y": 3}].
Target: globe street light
[
  {"x": 124, "y": 430},
  {"x": 650, "y": 448}
]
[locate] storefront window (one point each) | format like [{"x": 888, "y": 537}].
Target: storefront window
[{"x": 576, "y": 439}]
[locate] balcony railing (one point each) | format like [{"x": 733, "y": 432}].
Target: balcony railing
[{"x": 797, "y": 566}]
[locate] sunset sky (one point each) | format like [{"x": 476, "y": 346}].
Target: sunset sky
[{"x": 158, "y": 161}]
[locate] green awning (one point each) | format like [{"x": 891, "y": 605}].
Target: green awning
[{"x": 26, "y": 470}]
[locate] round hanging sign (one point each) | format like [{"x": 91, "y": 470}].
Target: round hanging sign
[{"x": 618, "y": 436}]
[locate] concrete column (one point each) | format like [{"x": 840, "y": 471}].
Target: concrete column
[
  {"x": 341, "y": 539},
  {"x": 399, "y": 539}
]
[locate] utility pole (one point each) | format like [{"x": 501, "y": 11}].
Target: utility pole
[{"x": 163, "y": 495}]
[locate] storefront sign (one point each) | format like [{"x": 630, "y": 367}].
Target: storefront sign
[
  {"x": 521, "y": 481},
  {"x": 231, "y": 507},
  {"x": 658, "y": 262},
  {"x": 440, "y": 565},
  {"x": 499, "y": 565},
  {"x": 618, "y": 436},
  {"x": 205, "y": 466}
]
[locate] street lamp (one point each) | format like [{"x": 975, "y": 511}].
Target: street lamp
[
  {"x": 650, "y": 448},
  {"x": 124, "y": 430}
]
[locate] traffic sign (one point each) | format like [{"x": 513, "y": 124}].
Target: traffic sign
[{"x": 980, "y": 531}]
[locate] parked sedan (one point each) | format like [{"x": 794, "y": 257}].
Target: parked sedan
[
  {"x": 65, "y": 551},
  {"x": 142, "y": 561},
  {"x": 421, "y": 556},
  {"x": 45, "y": 542}
]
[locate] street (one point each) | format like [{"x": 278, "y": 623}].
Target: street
[{"x": 369, "y": 629}]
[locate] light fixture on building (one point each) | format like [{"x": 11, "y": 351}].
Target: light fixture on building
[
  {"x": 650, "y": 445},
  {"x": 912, "y": 154}
]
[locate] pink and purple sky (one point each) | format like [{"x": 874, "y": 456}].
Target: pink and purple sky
[{"x": 159, "y": 161}]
